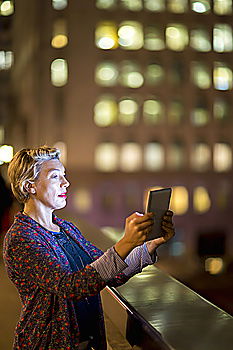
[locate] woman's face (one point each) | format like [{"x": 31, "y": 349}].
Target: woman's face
[{"x": 51, "y": 186}]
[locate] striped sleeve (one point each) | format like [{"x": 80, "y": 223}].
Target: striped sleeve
[
  {"x": 110, "y": 263},
  {"x": 138, "y": 259}
]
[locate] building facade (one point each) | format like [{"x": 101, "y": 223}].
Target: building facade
[{"x": 138, "y": 95}]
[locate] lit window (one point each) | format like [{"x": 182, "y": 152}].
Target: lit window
[
  {"x": 154, "y": 6},
  {"x": 59, "y": 72},
  {"x": 177, "y": 6},
  {"x": 154, "y": 39},
  {"x": 175, "y": 156},
  {"x": 131, "y": 75},
  {"x": 200, "y": 40},
  {"x": 128, "y": 111},
  {"x": 59, "y": 4},
  {"x": 60, "y": 38},
  {"x": 132, "y": 5},
  {"x": 200, "y": 6},
  {"x": 153, "y": 111},
  {"x": 6, "y": 8},
  {"x": 214, "y": 265},
  {"x": 200, "y": 116},
  {"x": 130, "y": 157},
  {"x": 106, "y": 36},
  {"x": 82, "y": 200},
  {"x": 175, "y": 112},
  {"x": 154, "y": 74},
  {"x": 201, "y": 200},
  {"x": 130, "y": 35},
  {"x": 106, "y": 157},
  {"x": 6, "y": 60},
  {"x": 63, "y": 149},
  {"x": 222, "y": 157},
  {"x": 223, "y": 7},
  {"x": 201, "y": 75},
  {"x": 105, "y": 4},
  {"x": 154, "y": 156},
  {"x": 105, "y": 111},
  {"x": 222, "y": 76},
  {"x": 176, "y": 37},
  {"x": 200, "y": 157},
  {"x": 221, "y": 109},
  {"x": 6, "y": 153},
  {"x": 179, "y": 200},
  {"x": 222, "y": 38},
  {"x": 106, "y": 74}
]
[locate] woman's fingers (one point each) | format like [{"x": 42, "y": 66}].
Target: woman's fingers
[
  {"x": 145, "y": 225},
  {"x": 167, "y": 226},
  {"x": 137, "y": 228}
]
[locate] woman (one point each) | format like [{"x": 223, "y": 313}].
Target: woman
[{"x": 57, "y": 272}]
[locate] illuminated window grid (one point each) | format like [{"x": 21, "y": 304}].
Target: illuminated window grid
[{"x": 195, "y": 90}]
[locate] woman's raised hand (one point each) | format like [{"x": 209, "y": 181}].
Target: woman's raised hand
[{"x": 137, "y": 227}]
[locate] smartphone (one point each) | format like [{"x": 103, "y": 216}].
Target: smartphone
[{"x": 158, "y": 202}]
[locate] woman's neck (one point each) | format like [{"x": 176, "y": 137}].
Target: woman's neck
[{"x": 41, "y": 215}]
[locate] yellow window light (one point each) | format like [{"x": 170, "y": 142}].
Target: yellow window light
[
  {"x": 106, "y": 74},
  {"x": 130, "y": 157},
  {"x": 60, "y": 38},
  {"x": 222, "y": 76},
  {"x": 6, "y": 8},
  {"x": 179, "y": 200},
  {"x": 59, "y": 72},
  {"x": 131, "y": 35},
  {"x": 128, "y": 110},
  {"x": 106, "y": 36},
  {"x": 154, "y": 157},
  {"x": 6, "y": 153},
  {"x": 214, "y": 265},
  {"x": 59, "y": 4},
  {"x": 106, "y": 157},
  {"x": 59, "y": 41},
  {"x": 155, "y": 6},
  {"x": 176, "y": 37},
  {"x": 201, "y": 6},
  {"x": 105, "y": 111},
  {"x": 222, "y": 7},
  {"x": 222, "y": 157},
  {"x": 201, "y": 200}
]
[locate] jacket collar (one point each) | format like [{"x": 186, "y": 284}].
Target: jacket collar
[{"x": 73, "y": 232}]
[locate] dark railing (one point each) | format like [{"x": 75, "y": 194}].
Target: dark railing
[
  {"x": 162, "y": 313},
  {"x": 154, "y": 311}
]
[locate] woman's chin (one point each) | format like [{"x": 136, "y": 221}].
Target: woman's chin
[{"x": 61, "y": 205}]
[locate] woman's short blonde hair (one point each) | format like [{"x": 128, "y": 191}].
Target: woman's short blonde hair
[{"x": 26, "y": 166}]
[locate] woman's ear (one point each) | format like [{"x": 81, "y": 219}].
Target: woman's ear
[
  {"x": 30, "y": 187},
  {"x": 32, "y": 190}
]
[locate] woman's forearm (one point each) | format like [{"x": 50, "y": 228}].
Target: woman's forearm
[{"x": 123, "y": 248}]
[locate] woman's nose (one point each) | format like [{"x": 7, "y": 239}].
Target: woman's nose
[{"x": 65, "y": 182}]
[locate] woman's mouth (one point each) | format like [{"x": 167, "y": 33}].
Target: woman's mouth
[{"x": 63, "y": 195}]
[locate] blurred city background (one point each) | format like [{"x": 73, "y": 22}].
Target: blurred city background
[{"x": 136, "y": 94}]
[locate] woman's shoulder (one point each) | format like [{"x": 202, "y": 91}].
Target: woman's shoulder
[{"x": 23, "y": 229}]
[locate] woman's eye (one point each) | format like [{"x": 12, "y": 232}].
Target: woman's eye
[{"x": 54, "y": 176}]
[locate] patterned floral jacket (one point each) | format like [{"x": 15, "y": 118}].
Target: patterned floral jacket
[{"x": 40, "y": 271}]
